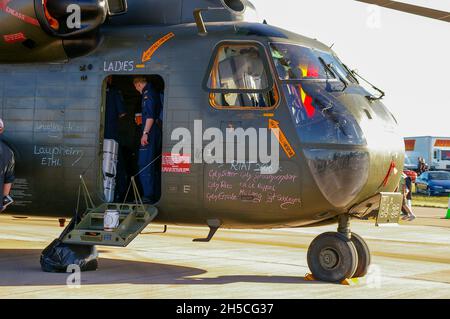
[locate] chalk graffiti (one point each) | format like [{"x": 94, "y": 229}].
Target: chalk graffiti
[
  {"x": 51, "y": 156},
  {"x": 54, "y": 127},
  {"x": 243, "y": 182}
]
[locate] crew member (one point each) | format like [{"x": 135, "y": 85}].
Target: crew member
[
  {"x": 115, "y": 111},
  {"x": 150, "y": 149},
  {"x": 6, "y": 167}
]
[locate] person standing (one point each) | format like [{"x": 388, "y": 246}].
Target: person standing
[
  {"x": 7, "y": 164},
  {"x": 406, "y": 189},
  {"x": 150, "y": 149},
  {"x": 408, "y": 184}
]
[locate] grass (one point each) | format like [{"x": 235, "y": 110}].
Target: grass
[{"x": 432, "y": 201}]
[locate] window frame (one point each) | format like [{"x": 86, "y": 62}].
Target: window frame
[
  {"x": 263, "y": 55},
  {"x": 272, "y": 82}
]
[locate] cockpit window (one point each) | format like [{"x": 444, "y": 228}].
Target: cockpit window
[
  {"x": 319, "y": 118},
  {"x": 295, "y": 62},
  {"x": 239, "y": 78},
  {"x": 309, "y": 79},
  {"x": 238, "y": 67}
]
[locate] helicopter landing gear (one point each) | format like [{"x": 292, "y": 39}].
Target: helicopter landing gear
[
  {"x": 336, "y": 256},
  {"x": 364, "y": 257},
  {"x": 332, "y": 257}
]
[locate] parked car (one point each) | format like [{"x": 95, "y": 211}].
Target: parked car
[
  {"x": 434, "y": 183},
  {"x": 411, "y": 174}
]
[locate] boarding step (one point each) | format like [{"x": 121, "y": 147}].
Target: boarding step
[{"x": 91, "y": 231}]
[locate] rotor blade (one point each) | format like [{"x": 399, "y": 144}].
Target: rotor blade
[{"x": 413, "y": 9}]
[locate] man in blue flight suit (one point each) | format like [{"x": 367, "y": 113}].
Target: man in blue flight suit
[
  {"x": 150, "y": 149},
  {"x": 114, "y": 111}
]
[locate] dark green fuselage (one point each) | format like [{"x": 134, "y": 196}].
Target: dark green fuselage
[{"x": 54, "y": 117}]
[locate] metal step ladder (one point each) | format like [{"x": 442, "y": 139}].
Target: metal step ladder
[{"x": 133, "y": 219}]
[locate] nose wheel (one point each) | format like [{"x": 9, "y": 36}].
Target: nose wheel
[
  {"x": 336, "y": 256},
  {"x": 332, "y": 257},
  {"x": 364, "y": 258}
]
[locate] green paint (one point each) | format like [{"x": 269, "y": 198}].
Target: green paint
[{"x": 448, "y": 210}]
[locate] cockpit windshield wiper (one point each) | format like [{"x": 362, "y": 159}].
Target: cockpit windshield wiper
[
  {"x": 371, "y": 97},
  {"x": 330, "y": 68}
]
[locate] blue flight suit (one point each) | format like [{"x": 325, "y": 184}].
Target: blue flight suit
[{"x": 150, "y": 176}]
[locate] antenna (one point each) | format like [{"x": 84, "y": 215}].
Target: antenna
[{"x": 199, "y": 19}]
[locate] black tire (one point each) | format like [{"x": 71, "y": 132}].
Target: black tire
[
  {"x": 364, "y": 257},
  {"x": 332, "y": 257}
]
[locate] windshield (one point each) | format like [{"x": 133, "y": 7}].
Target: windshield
[
  {"x": 441, "y": 176},
  {"x": 295, "y": 62},
  {"x": 318, "y": 114}
]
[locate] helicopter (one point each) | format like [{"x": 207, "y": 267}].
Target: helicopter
[{"x": 339, "y": 153}]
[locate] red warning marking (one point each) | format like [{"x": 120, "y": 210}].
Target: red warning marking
[
  {"x": 4, "y": 7},
  {"x": 176, "y": 163},
  {"x": 13, "y": 38}
]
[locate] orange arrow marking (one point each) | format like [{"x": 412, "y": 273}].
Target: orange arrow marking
[
  {"x": 275, "y": 127},
  {"x": 147, "y": 55}
]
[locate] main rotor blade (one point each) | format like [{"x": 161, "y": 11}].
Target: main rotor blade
[{"x": 410, "y": 8}]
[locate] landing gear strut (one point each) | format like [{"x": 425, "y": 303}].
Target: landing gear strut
[{"x": 336, "y": 256}]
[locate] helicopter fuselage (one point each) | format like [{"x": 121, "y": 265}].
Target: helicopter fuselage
[{"x": 54, "y": 116}]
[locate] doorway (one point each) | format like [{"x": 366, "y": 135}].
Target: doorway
[{"x": 121, "y": 131}]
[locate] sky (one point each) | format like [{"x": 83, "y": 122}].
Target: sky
[{"x": 405, "y": 55}]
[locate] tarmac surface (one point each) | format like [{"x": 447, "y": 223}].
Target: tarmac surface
[{"x": 408, "y": 261}]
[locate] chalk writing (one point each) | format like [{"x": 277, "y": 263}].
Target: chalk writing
[
  {"x": 54, "y": 127},
  {"x": 244, "y": 182},
  {"x": 51, "y": 156}
]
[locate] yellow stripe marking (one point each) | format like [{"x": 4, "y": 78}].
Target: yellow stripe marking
[{"x": 275, "y": 127}]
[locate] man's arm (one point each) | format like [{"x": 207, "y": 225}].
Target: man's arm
[
  {"x": 148, "y": 126},
  {"x": 150, "y": 110}
]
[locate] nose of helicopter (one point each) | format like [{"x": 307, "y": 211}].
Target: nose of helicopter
[
  {"x": 350, "y": 173},
  {"x": 385, "y": 147}
]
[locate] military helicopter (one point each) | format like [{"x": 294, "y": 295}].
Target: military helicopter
[{"x": 340, "y": 155}]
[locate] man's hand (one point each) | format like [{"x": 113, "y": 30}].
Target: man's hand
[{"x": 144, "y": 140}]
